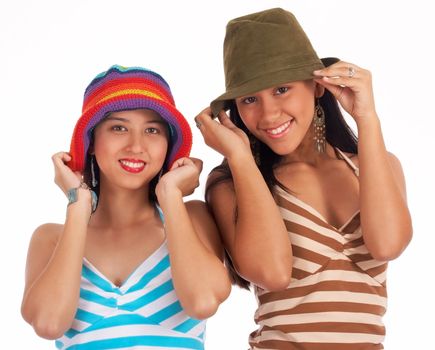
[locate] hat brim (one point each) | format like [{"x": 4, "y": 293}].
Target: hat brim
[
  {"x": 181, "y": 135},
  {"x": 263, "y": 81}
]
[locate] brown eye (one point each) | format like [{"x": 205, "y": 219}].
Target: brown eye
[
  {"x": 281, "y": 90},
  {"x": 249, "y": 100},
  {"x": 118, "y": 128},
  {"x": 152, "y": 130}
]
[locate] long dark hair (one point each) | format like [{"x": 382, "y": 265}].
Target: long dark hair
[{"x": 338, "y": 134}]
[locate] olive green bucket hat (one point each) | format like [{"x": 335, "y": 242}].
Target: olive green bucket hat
[{"x": 264, "y": 49}]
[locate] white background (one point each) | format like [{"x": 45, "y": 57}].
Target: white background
[{"x": 50, "y": 50}]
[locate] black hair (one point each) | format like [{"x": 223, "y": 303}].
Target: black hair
[{"x": 338, "y": 134}]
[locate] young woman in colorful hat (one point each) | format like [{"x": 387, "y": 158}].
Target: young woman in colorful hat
[
  {"x": 133, "y": 266},
  {"x": 309, "y": 213}
]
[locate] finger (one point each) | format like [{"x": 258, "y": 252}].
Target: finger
[
  {"x": 204, "y": 119},
  {"x": 197, "y": 122},
  {"x": 61, "y": 158},
  {"x": 62, "y": 155},
  {"x": 181, "y": 162},
  {"x": 340, "y": 69},
  {"x": 339, "y": 81},
  {"x": 177, "y": 163},
  {"x": 197, "y": 162},
  {"x": 335, "y": 90},
  {"x": 225, "y": 120}
]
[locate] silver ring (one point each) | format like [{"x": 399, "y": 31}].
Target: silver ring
[
  {"x": 351, "y": 72},
  {"x": 198, "y": 124}
]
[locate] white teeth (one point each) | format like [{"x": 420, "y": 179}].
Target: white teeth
[
  {"x": 279, "y": 129},
  {"x": 132, "y": 164}
]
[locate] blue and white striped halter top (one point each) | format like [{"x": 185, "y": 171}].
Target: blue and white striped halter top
[{"x": 143, "y": 313}]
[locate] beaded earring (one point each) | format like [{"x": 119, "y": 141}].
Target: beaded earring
[{"x": 319, "y": 128}]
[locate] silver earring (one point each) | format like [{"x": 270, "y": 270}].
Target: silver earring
[
  {"x": 319, "y": 128},
  {"x": 94, "y": 179}
]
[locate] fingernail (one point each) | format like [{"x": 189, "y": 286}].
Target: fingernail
[{"x": 317, "y": 72}]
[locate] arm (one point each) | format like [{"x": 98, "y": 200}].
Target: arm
[
  {"x": 53, "y": 268},
  {"x": 200, "y": 278},
  {"x": 257, "y": 241},
  {"x": 53, "y": 275},
  {"x": 385, "y": 218}
]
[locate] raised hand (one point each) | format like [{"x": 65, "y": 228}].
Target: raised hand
[
  {"x": 223, "y": 136},
  {"x": 64, "y": 177},
  {"x": 352, "y": 87},
  {"x": 183, "y": 176}
]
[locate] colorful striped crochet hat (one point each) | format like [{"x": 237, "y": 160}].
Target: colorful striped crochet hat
[{"x": 126, "y": 88}]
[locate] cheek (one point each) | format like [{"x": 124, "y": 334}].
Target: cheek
[
  {"x": 248, "y": 118},
  {"x": 160, "y": 148},
  {"x": 103, "y": 145}
]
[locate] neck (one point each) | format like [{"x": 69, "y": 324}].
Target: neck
[
  {"x": 120, "y": 208},
  {"x": 306, "y": 152}
]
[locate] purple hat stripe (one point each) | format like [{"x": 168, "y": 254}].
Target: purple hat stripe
[{"x": 114, "y": 74}]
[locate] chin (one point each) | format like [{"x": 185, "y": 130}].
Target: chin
[
  {"x": 281, "y": 149},
  {"x": 135, "y": 184}
]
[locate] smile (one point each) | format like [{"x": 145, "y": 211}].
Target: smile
[
  {"x": 280, "y": 130},
  {"x": 132, "y": 165}
]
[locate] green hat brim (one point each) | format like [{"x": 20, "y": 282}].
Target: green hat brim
[{"x": 263, "y": 81}]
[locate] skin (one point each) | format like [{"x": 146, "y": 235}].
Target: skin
[
  {"x": 281, "y": 116},
  {"x": 125, "y": 227}
]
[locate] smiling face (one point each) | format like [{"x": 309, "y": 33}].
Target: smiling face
[
  {"x": 130, "y": 147},
  {"x": 280, "y": 116}
]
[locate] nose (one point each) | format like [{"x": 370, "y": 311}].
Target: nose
[
  {"x": 136, "y": 143},
  {"x": 271, "y": 109}
]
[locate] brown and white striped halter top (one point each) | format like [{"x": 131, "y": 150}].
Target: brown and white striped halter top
[{"x": 337, "y": 295}]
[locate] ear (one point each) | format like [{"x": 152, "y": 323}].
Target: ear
[{"x": 319, "y": 90}]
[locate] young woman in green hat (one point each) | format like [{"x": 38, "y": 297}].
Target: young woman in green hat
[{"x": 309, "y": 213}]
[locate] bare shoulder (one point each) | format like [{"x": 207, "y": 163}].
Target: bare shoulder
[
  {"x": 195, "y": 205},
  {"x": 221, "y": 198},
  {"x": 220, "y": 187},
  {"x": 395, "y": 162},
  {"x": 43, "y": 241},
  {"x": 41, "y": 247},
  {"x": 47, "y": 233},
  {"x": 198, "y": 211},
  {"x": 218, "y": 178}
]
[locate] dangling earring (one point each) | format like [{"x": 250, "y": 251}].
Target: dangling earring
[
  {"x": 94, "y": 179},
  {"x": 319, "y": 128}
]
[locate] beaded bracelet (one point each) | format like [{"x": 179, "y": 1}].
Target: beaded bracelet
[{"x": 72, "y": 195}]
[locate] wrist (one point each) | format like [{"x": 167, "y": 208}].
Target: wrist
[
  {"x": 82, "y": 196},
  {"x": 166, "y": 190},
  {"x": 369, "y": 121},
  {"x": 80, "y": 206},
  {"x": 240, "y": 159}
]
